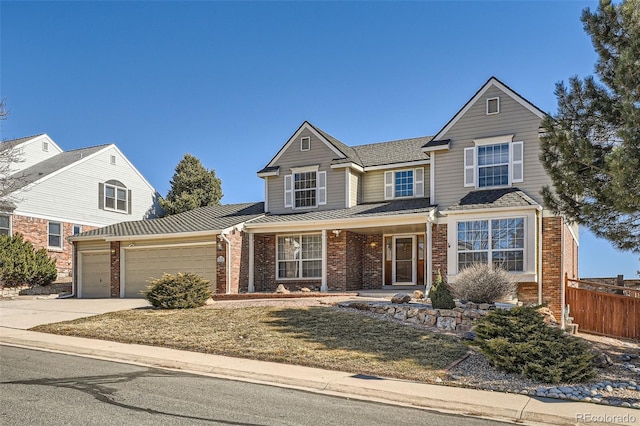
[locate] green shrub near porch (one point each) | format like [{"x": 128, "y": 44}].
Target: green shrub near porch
[
  {"x": 179, "y": 291},
  {"x": 21, "y": 263}
]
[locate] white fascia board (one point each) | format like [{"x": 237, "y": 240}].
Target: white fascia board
[
  {"x": 64, "y": 169},
  {"x": 489, "y": 210},
  {"x": 162, "y": 236},
  {"x": 491, "y": 83},
  {"x": 296, "y": 135},
  {"x": 397, "y": 165},
  {"x": 348, "y": 165},
  {"x": 494, "y": 140},
  {"x": 307, "y": 225},
  {"x": 57, "y": 219},
  {"x": 446, "y": 147},
  {"x": 267, "y": 174}
]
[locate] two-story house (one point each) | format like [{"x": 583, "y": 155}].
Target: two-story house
[
  {"x": 56, "y": 194},
  {"x": 343, "y": 218}
]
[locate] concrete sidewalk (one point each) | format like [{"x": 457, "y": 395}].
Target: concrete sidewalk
[{"x": 520, "y": 408}]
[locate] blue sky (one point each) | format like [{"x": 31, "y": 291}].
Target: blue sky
[{"x": 229, "y": 82}]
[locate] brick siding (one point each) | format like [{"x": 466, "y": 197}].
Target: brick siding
[
  {"x": 552, "y": 263},
  {"x": 36, "y": 231},
  {"x": 115, "y": 268},
  {"x": 439, "y": 246},
  {"x": 372, "y": 261}
]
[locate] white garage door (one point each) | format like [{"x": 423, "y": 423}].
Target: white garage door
[
  {"x": 145, "y": 264},
  {"x": 95, "y": 275}
]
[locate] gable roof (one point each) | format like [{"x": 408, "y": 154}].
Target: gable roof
[
  {"x": 492, "y": 82},
  {"x": 209, "y": 219},
  {"x": 15, "y": 142},
  {"x": 494, "y": 198},
  {"x": 54, "y": 164}
]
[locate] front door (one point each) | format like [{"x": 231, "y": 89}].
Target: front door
[{"x": 404, "y": 258}]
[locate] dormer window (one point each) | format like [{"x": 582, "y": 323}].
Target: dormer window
[
  {"x": 305, "y": 188},
  {"x": 305, "y": 144},
  {"x": 494, "y": 162},
  {"x": 493, "y": 106}
]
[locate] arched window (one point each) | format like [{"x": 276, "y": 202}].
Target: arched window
[{"x": 113, "y": 195}]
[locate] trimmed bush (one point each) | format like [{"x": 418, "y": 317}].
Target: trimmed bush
[
  {"x": 179, "y": 291},
  {"x": 21, "y": 264},
  {"x": 518, "y": 341},
  {"x": 440, "y": 295},
  {"x": 480, "y": 283}
]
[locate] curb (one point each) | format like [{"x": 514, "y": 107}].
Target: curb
[{"x": 461, "y": 401}]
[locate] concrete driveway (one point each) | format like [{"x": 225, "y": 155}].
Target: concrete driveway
[{"x": 26, "y": 312}]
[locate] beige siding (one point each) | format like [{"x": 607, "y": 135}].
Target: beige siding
[
  {"x": 92, "y": 245},
  {"x": 319, "y": 154},
  {"x": 513, "y": 118},
  {"x": 355, "y": 188},
  {"x": 373, "y": 184}
]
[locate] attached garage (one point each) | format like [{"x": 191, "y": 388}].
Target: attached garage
[
  {"x": 142, "y": 264},
  {"x": 95, "y": 275}
]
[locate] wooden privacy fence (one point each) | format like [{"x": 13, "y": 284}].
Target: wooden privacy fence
[{"x": 604, "y": 309}]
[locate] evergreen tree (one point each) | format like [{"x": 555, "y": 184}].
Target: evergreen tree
[
  {"x": 591, "y": 147},
  {"x": 192, "y": 186}
]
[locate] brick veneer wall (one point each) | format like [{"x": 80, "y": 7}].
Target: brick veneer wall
[
  {"x": 528, "y": 293},
  {"x": 372, "y": 261},
  {"x": 337, "y": 261},
  {"x": 439, "y": 250},
  {"x": 36, "y": 231},
  {"x": 221, "y": 268},
  {"x": 552, "y": 263},
  {"x": 115, "y": 268}
]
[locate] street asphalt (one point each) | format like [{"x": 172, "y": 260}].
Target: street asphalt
[{"x": 16, "y": 316}]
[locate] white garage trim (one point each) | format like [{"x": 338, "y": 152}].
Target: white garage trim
[
  {"x": 80, "y": 254},
  {"x": 134, "y": 247}
]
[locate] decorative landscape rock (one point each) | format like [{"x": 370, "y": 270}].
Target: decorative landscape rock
[
  {"x": 281, "y": 289},
  {"x": 401, "y": 298}
]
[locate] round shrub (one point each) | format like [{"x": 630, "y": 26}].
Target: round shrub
[
  {"x": 179, "y": 291},
  {"x": 440, "y": 295},
  {"x": 518, "y": 341},
  {"x": 480, "y": 283}
]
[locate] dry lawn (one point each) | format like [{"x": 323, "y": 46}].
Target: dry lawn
[{"x": 322, "y": 337}]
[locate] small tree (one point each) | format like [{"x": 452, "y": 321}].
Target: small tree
[
  {"x": 440, "y": 295},
  {"x": 21, "y": 264},
  {"x": 192, "y": 186},
  {"x": 481, "y": 283}
]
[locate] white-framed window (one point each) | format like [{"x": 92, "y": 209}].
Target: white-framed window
[
  {"x": 305, "y": 188},
  {"x": 404, "y": 183},
  {"x": 77, "y": 229},
  {"x": 5, "y": 224},
  {"x": 45, "y": 146},
  {"x": 112, "y": 160},
  {"x": 499, "y": 242},
  {"x": 54, "y": 235},
  {"x": 494, "y": 165},
  {"x": 493, "y": 106},
  {"x": 115, "y": 198},
  {"x": 305, "y": 144},
  {"x": 299, "y": 256}
]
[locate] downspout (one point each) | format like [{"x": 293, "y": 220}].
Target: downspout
[
  {"x": 228, "y": 244},
  {"x": 323, "y": 284},
  {"x": 429, "y": 255},
  {"x": 251, "y": 285},
  {"x": 563, "y": 308}
]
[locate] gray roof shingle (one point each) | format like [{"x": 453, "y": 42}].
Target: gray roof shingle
[
  {"x": 14, "y": 142},
  {"x": 210, "y": 218},
  {"x": 389, "y": 208},
  {"x": 53, "y": 164},
  {"x": 400, "y": 151},
  {"x": 492, "y": 198}
]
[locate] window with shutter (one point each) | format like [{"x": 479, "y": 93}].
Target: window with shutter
[
  {"x": 469, "y": 167},
  {"x": 388, "y": 185},
  {"x": 418, "y": 182},
  {"x": 517, "y": 162},
  {"x": 322, "y": 188},
  {"x": 288, "y": 192}
]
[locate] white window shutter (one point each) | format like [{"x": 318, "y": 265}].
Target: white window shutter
[
  {"x": 470, "y": 166},
  {"x": 288, "y": 191},
  {"x": 418, "y": 182},
  {"x": 322, "y": 188},
  {"x": 388, "y": 185},
  {"x": 517, "y": 162}
]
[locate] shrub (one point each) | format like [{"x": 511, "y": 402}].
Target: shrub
[
  {"x": 440, "y": 295},
  {"x": 179, "y": 291},
  {"x": 518, "y": 341},
  {"x": 21, "y": 264},
  {"x": 480, "y": 283}
]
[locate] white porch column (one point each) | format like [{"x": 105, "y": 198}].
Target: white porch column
[
  {"x": 251, "y": 286},
  {"x": 429, "y": 255},
  {"x": 323, "y": 284}
]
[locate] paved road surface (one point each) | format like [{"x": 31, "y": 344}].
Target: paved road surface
[{"x": 44, "y": 388}]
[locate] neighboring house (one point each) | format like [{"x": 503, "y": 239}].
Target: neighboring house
[
  {"x": 57, "y": 194},
  {"x": 343, "y": 218}
]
